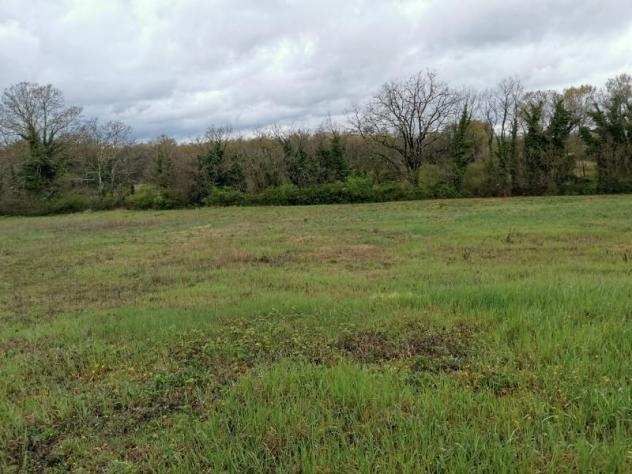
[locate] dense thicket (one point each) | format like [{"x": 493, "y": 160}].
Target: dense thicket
[{"x": 416, "y": 138}]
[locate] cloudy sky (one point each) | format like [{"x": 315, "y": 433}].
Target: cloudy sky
[{"x": 177, "y": 66}]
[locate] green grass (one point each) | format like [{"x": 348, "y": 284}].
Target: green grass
[{"x": 463, "y": 335}]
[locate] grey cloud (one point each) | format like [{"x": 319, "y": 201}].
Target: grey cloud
[{"x": 176, "y": 66}]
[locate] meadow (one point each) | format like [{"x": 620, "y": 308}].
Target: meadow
[{"x": 480, "y": 335}]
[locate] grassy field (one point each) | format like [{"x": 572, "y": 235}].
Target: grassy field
[{"x": 463, "y": 335}]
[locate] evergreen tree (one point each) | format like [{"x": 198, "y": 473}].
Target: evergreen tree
[
  {"x": 338, "y": 162},
  {"x": 461, "y": 146},
  {"x": 512, "y": 172},
  {"x": 161, "y": 166},
  {"x": 609, "y": 142},
  {"x": 210, "y": 163},
  {"x": 218, "y": 170},
  {"x": 332, "y": 165},
  {"x": 535, "y": 146},
  {"x": 561, "y": 164},
  {"x": 547, "y": 164}
]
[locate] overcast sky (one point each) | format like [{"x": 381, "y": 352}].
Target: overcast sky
[{"x": 177, "y": 66}]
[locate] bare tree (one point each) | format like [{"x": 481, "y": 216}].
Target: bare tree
[
  {"x": 500, "y": 108},
  {"x": 579, "y": 101},
  {"x": 106, "y": 161},
  {"x": 621, "y": 88},
  {"x": 38, "y": 115},
  {"x": 405, "y": 119},
  {"x": 501, "y": 113},
  {"x": 217, "y": 137},
  {"x": 287, "y": 136}
]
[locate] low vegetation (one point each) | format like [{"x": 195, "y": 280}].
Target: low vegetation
[{"x": 463, "y": 335}]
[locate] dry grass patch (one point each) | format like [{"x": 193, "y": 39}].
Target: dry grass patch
[
  {"x": 350, "y": 254},
  {"x": 243, "y": 257},
  {"x": 445, "y": 349}
]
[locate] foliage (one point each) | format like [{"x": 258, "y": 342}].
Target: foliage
[
  {"x": 461, "y": 145},
  {"x": 548, "y": 166},
  {"x": 147, "y": 196},
  {"x": 435, "y": 182},
  {"x": 355, "y": 189},
  {"x": 332, "y": 164},
  {"x": 417, "y": 138},
  {"x": 478, "y": 179},
  {"x": 225, "y": 197},
  {"x": 217, "y": 169},
  {"x": 38, "y": 116},
  {"x": 406, "y": 119},
  {"x": 610, "y": 141}
]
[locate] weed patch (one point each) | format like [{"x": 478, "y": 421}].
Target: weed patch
[{"x": 433, "y": 349}]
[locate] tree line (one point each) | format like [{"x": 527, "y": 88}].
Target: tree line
[{"x": 417, "y": 137}]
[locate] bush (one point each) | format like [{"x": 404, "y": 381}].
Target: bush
[
  {"x": 67, "y": 203},
  {"x": 26, "y": 203},
  {"x": 477, "y": 179},
  {"x": 581, "y": 186},
  {"x": 20, "y": 203},
  {"x": 394, "y": 191},
  {"x": 221, "y": 196},
  {"x": 278, "y": 195},
  {"x": 330, "y": 193},
  {"x": 147, "y": 196},
  {"x": 109, "y": 201},
  {"x": 434, "y": 182},
  {"x": 358, "y": 189},
  {"x": 354, "y": 190}
]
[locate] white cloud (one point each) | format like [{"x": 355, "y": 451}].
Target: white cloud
[{"x": 176, "y": 66}]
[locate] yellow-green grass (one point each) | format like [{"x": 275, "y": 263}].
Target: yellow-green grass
[{"x": 463, "y": 335}]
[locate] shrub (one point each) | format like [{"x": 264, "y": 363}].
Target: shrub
[
  {"x": 278, "y": 195},
  {"x": 72, "y": 202},
  {"x": 477, "y": 179},
  {"x": 353, "y": 190},
  {"x": 394, "y": 191},
  {"x": 358, "y": 189},
  {"x": 446, "y": 191},
  {"x": 62, "y": 203},
  {"x": 109, "y": 201},
  {"x": 583, "y": 186},
  {"x": 147, "y": 196},
  {"x": 434, "y": 182},
  {"x": 222, "y": 196},
  {"x": 431, "y": 179},
  {"x": 19, "y": 203},
  {"x": 329, "y": 193}
]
